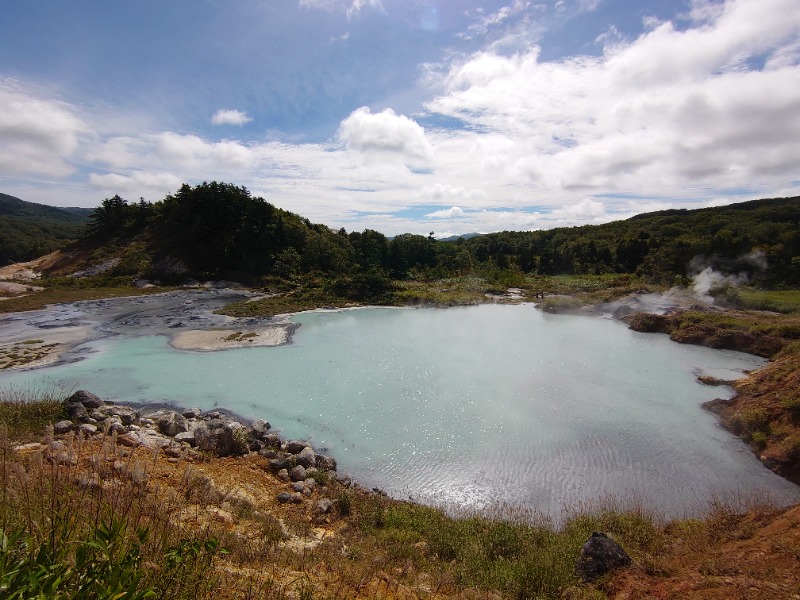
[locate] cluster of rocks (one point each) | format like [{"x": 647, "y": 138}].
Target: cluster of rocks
[{"x": 186, "y": 432}]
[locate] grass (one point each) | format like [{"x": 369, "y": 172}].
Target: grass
[
  {"x": 782, "y": 301},
  {"x": 26, "y": 413}
]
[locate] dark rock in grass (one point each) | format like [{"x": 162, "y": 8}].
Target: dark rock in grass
[
  {"x": 76, "y": 411},
  {"x": 599, "y": 555},
  {"x": 62, "y": 427},
  {"x": 87, "y": 429},
  {"x": 324, "y": 506},
  {"x": 192, "y": 413},
  {"x": 276, "y": 464},
  {"x": 296, "y": 498},
  {"x": 284, "y": 497},
  {"x": 283, "y": 475},
  {"x": 298, "y": 473},
  {"x": 88, "y": 399}
]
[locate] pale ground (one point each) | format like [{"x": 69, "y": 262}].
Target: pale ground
[{"x": 223, "y": 339}]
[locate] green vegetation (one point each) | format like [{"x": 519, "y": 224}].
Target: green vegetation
[
  {"x": 218, "y": 229},
  {"x": 26, "y": 413},
  {"x": 29, "y": 230}
]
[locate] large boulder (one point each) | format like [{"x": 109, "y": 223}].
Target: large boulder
[
  {"x": 172, "y": 423},
  {"x": 88, "y": 399},
  {"x": 221, "y": 436},
  {"x": 306, "y": 457},
  {"x": 599, "y": 555}
]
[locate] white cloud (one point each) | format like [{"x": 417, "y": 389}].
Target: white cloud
[
  {"x": 136, "y": 184},
  {"x": 668, "y": 111},
  {"x": 383, "y": 134},
  {"x": 37, "y": 136},
  {"x": 230, "y": 117},
  {"x": 447, "y": 213}
]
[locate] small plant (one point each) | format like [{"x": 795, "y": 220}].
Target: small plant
[{"x": 759, "y": 439}]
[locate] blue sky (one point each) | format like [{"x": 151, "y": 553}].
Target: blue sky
[{"x": 407, "y": 115}]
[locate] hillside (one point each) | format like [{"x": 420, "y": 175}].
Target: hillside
[
  {"x": 29, "y": 230},
  {"x": 221, "y": 230}
]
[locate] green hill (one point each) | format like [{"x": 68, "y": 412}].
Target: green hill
[
  {"x": 220, "y": 230},
  {"x": 29, "y": 230}
]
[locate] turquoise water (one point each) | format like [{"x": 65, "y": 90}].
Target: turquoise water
[{"x": 466, "y": 405}]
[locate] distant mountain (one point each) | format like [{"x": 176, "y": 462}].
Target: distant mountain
[
  {"x": 29, "y": 230},
  {"x": 465, "y": 236}
]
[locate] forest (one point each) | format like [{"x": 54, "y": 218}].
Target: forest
[
  {"x": 29, "y": 230},
  {"x": 221, "y": 230}
]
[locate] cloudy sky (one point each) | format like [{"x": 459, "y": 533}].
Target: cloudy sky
[{"x": 405, "y": 115}]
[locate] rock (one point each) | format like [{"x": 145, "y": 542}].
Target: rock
[
  {"x": 283, "y": 475},
  {"x": 173, "y": 451},
  {"x": 117, "y": 428},
  {"x": 31, "y": 447},
  {"x": 217, "y": 435},
  {"x": 192, "y": 413},
  {"x": 255, "y": 445},
  {"x": 284, "y": 497},
  {"x": 599, "y": 555},
  {"x": 295, "y": 447},
  {"x": 296, "y": 498},
  {"x": 88, "y": 399},
  {"x": 298, "y": 486},
  {"x": 309, "y": 485},
  {"x": 87, "y": 429},
  {"x": 273, "y": 440},
  {"x": 185, "y": 436},
  {"x": 268, "y": 453},
  {"x": 62, "y": 427},
  {"x": 76, "y": 411},
  {"x": 344, "y": 480},
  {"x": 128, "y": 439},
  {"x": 171, "y": 424},
  {"x": 98, "y": 415},
  {"x": 325, "y": 463},
  {"x": 298, "y": 473},
  {"x": 324, "y": 506},
  {"x": 306, "y": 457},
  {"x": 127, "y": 416},
  {"x": 58, "y": 453},
  {"x": 259, "y": 429},
  {"x": 277, "y": 464}
]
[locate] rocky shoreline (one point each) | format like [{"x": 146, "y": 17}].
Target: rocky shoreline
[{"x": 191, "y": 435}]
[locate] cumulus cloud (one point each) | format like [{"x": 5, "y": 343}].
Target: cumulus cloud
[
  {"x": 39, "y": 136},
  {"x": 385, "y": 134},
  {"x": 230, "y": 117},
  {"x": 671, "y": 110},
  {"x": 447, "y": 213}
]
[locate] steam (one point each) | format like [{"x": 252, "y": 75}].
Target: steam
[
  {"x": 707, "y": 275},
  {"x": 716, "y": 274}
]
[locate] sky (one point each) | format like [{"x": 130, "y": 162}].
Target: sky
[{"x": 413, "y": 116}]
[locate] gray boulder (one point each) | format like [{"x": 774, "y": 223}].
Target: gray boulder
[
  {"x": 599, "y": 555},
  {"x": 259, "y": 429},
  {"x": 127, "y": 416},
  {"x": 88, "y": 399},
  {"x": 185, "y": 436},
  {"x": 298, "y": 473},
  {"x": 295, "y": 447},
  {"x": 223, "y": 437},
  {"x": 62, "y": 427},
  {"x": 171, "y": 424},
  {"x": 76, "y": 411},
  {"x": 325, "y": 463},
  {"x": 87, "y": 429},
  {"x": 306, "y": 457}
]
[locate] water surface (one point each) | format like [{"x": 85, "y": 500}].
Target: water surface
[{"x": 467, "y": 405}]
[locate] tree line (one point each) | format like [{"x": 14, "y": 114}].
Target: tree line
[{"x": 220, "y": 229}]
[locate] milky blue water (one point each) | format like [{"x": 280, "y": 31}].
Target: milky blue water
[{"x": 467, "y": 405}]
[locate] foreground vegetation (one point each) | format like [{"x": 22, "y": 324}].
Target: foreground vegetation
[{"x": 125, "y": 523}]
